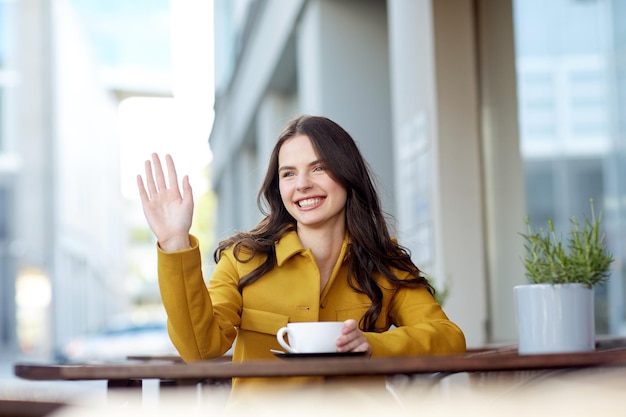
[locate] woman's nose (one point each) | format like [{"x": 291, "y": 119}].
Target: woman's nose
[{"x": 303, "y": 182}]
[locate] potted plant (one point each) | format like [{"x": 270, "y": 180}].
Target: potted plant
[{"x": 555, "y": 311}]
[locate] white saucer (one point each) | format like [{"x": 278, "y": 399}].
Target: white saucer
[{"x": 287, "y": 355}]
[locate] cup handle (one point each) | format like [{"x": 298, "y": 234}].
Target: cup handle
[{"x": 280, "y": 336}]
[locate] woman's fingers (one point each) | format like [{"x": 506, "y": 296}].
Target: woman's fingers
[
  {"x": 155, "y": 176},
  {"x": 149, "y": 178},
  {"x": 169, "y": 214},
  {"x": 352, "y": 339},
  {"x": 171, "y": 171},
  {"x": 158, "y": 173},
  {"x": 187, "y": 193},
  {"x": 143, "y": 194}
]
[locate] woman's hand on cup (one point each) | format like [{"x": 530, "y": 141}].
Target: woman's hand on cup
[
  {"x": 168, "y": 212},
  {"x": 352, "y": 339}
]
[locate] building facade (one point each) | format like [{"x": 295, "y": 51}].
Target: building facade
[
  {"x": 61, "y": 226},
  {"x": 8, "y": 171}
]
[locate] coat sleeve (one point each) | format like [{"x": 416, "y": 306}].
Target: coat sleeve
[
  {"x": 201, "y": 321},
  {"x": 420, "y": 328}
]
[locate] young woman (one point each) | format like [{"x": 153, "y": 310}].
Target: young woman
[{"x": 321, "y": 253}]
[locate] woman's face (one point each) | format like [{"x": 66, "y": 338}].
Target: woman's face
[{"x": 308, "y": 192}]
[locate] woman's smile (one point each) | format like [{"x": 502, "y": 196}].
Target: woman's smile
[{"x": 310, "y": 203}]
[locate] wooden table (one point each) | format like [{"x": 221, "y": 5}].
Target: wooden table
[
  {"x": 409, "y": 380},
  {"x": 124, "y": 374}
]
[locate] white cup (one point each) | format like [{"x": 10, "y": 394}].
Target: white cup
[{"x": 310, "y": 337}]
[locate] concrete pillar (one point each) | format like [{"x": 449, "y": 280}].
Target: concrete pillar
[{"x": 505, "y": 203}]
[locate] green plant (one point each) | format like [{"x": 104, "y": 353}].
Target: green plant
[{"x": 583, "y": 260}]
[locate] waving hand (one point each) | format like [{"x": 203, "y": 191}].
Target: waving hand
[{"x": 168, "y": 212}]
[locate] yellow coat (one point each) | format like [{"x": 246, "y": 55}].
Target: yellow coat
[{"x": 204, "y": 324}]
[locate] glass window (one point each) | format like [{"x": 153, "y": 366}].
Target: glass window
[{"x": 571, "y": 69}]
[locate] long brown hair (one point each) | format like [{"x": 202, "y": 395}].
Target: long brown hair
[{"x": 371, "y": 252}]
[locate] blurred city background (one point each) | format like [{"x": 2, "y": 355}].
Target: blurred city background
[
  {"x": 472, "y": 113},
  {"x": 88, "y": 89}
]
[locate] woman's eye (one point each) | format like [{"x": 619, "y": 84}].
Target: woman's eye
[
  {"x": 288, "y": 174},
  {"x": 318, "y": 168}
]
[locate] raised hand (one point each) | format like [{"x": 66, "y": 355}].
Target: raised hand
[{"x": 169, "y": 214}]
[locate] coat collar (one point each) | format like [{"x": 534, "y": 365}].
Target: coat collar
[{"x": 290, "y": 245}]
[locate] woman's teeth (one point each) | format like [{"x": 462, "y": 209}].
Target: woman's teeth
[{"x": 309, "y": 202}]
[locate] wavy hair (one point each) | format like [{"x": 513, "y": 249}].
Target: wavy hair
[{"x": 371, "y": 253}]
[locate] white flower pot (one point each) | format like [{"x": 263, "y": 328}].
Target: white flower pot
[{"x": 554, "y": 318}]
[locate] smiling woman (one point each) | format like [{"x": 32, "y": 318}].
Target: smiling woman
[{"x": 323, "y": 241}]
